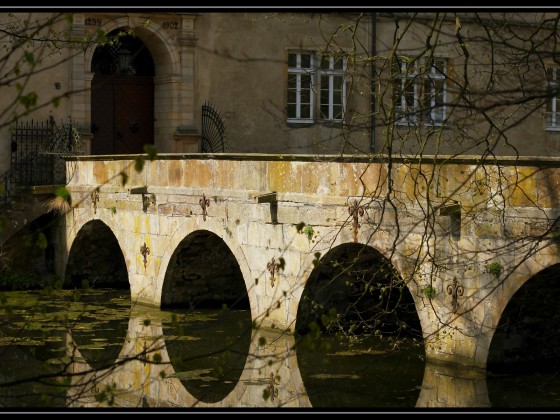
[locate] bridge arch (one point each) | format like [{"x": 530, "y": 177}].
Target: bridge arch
[
  {"x": 357, "y": 276},
  {"x": 525, "y": 322},
  {"x": 210, "y": 231},
  {"x": 203, "y": 272},
  {"x": 526, "y": 270},
  {"x": 96, "y": 257}
]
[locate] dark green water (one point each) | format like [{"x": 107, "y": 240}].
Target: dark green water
[{"x": 51, "y": 344}]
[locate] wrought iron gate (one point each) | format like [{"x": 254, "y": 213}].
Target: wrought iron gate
[
  {"x": 213, "y": 131},
  {"x": 36, "y": 155},
  {"x": 29, "y": 140}
]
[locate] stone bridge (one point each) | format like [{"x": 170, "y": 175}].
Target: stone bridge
[{"x": 464, "y": 233}]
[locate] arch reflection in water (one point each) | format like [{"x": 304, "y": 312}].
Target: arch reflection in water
[
  {"x": 98, "y": 323},
  {"x": 274, "y": 374},
  {"x": 269, "y": 376},
  {"x": 370, "y": 374},
  {"x": 35, "y": 346},
  {"x": 208, "y": 350},
  {"x": 447, "y": 386}
]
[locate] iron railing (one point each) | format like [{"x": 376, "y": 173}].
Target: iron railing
[
  {"x": 36, "y": 158},
  {"x": 213, "y": 137}
]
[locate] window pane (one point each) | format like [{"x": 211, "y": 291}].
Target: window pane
[
  {"x": 292, "y": 60},
  {"x": 292, "y": 96},
  {"x": 409, "y": 93},
  {"x": 427, "y": 97},
  {"x": 292, "y": 111},
  {"x": 439, "y": 93},
  {"x": 397, "y": 91},
  {"x": 305, "y": 111},
  {"x": 437, "y": 115},
  {"x": 325, "y": 62},
  {"x": 337, "y": 97},
  {"x": 325, "y": 112},
  {"x": 306, "y": 81},
  {"x": 409, "y": 69},
  {"x": 324, "y": 96},
  {"x": 337, "y": 112},
  {"x": 306, "y": 96},
  {"x": 550, "y": 75},
  {"x": 305, "y": 60},
  {"x": 439, "y": 67},
  {"x": 552, "y": 104},
  {"x": 337, "y": 82},
  {"x": 324, "y": 90},
  {"x": 292, "y": 81},
  {"x": 338, "y": 63}
]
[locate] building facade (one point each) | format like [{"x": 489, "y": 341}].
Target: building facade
[{"x": 291, "y": 83}]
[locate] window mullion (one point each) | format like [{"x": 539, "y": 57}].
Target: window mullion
[
  {"x": 331, "y": 96},
  {"x": 298, "y": 96},
  {"x": 553, "y": 105},
  {"x": 299, "y": 86}
]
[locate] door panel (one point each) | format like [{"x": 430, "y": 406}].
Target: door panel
[
  {"x": 134, "y": 119},
  {"x": 102, "y": 115},
  {"x": 122, "y": 117}
]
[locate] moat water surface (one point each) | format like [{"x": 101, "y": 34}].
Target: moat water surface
[{"x": 70, "y": 350}]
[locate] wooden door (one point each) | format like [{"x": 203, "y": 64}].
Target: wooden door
[{"x": 122, "y": 114}]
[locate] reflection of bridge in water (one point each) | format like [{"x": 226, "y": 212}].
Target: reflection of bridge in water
[
  {"x": 271, "y": 366},
  {"x": 270, "y": 378}
]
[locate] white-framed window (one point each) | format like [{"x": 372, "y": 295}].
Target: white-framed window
[
  {"x": 435, "y": 92},
  {"x": 420, "y": 91},
  {"x": 301, "y": 72},
  {"x": 553, "y": 104},
  {"x": 316, "y": 87},
  {"x": 405, "y": 92},
  {"x": 333, "y": 88}
]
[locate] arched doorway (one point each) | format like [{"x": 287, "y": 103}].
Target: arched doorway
[{"x": 122, "y": 96}]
